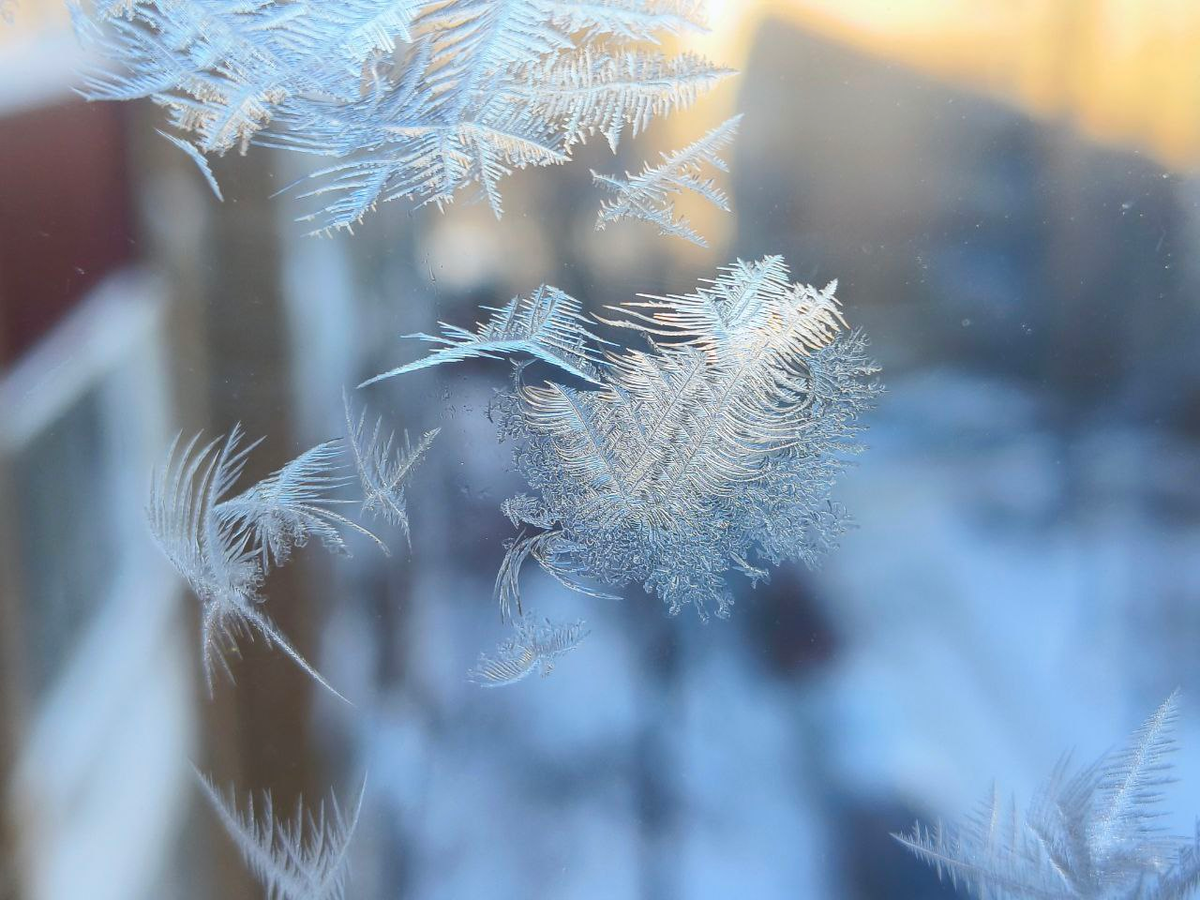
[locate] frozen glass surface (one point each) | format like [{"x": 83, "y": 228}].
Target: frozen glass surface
[{"x": 776, "y": 667}]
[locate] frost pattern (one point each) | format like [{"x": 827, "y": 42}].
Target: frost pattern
[
  {"x": 1091, "y": 833},
  {"x": 286, "y": 508},
  {"x": 224, "y": 69},
  {"x": 534, "y": 647},
  {"x": 303, "y": 858},
  {"x": 413, "y": 99},
  {"x": 384, "y": 465},
  {"x": 592, "y": 91},
  {"x": 224, "y": 548},
  {"x": 546, "y": 549},
  {"x": 646, "y": 196},
  {"x": 548, "y": 324},
  {"x": 199, "y": 159},
  {"x": 714, "y": 449}
]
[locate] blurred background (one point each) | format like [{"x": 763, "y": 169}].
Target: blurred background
[{"x": 1007, "y": 192}]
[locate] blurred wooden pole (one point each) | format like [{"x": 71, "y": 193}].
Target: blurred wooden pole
[{"x": 229, "y": 350}]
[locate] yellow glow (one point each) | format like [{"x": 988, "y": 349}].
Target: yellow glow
[
  {"x": 1121, "y": 71},
  {"x": 31, "y": 19}
]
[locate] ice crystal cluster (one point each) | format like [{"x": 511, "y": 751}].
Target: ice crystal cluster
[
  {"x": 385, "y": 466},
  {"x": 1090, "y": 834},
  {"x": 711, "y": 450},
  {"x": 646, "y": 196},
  {"x": 224, "y": 547},
  {"x": 533, "y": 647},
  {"x": 302, "y": 858},
  {"x": 411, "y": 99}
]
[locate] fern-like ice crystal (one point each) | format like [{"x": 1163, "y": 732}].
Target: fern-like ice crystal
[
  {"x": 302, "y": 858},
  {"x": 223, "y": 547},
  {"x": 286, "y": 508},
  {"x": 548, "y": 325},
  {"x": 411, "y": 99},
  {"x": 385, "y": 465},
  {"x": 533, "y": 647},
  {"x": 713, "y": 450},
  {"x": 548, "y": 548},
  {"x": 1090, "y": 834},
  {"x": 646, "y": 196},
  {"x": 199, "y": 159}
]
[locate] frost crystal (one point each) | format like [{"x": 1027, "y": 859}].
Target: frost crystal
[
  {"x": 385, "y": 466},
  {"x": 548, "y": 325},
  {"x": 299, "y": 859},
  {"x": 283, "y": 510},
  {"x": 645, "y": 196},
  {"x": 714, "y": 449},
  {"x": 224, "y": 548},
  {"x": 534, "y": 647},
  {"x": 412, "y": 99},
  {"x": 1091, "y": 834}
]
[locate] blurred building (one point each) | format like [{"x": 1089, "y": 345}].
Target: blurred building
[{"x": 95, "y": 692}]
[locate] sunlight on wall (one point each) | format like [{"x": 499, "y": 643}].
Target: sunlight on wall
[
  {"x": 28, "y": 17},
  {"x": 1121, "y": 71}
]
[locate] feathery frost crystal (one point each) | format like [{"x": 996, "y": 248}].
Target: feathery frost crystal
[
  {"x": 299, "y": 859},
  {"x": 1090, "y": 834},
  {"x": 385, "y": 466},
  {"x": 645, "y": 196},
  {"x": 284, "y": 509},
  {"x": 548, "y": 324},
  {"x": 412, "y": 99},
  {"x": 713, "y": 449},
  {"x": 224, "y": 547},
  {"x": 534, "y": 647}
]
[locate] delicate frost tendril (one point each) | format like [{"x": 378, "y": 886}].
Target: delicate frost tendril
[
  {"x": 548, "y": 325},
  {"x": 1091, "y": 833},
  {"x": 645, "y": 196},
  {"x": 284, "y": 509},
  {"x": 385, "y": 466},
  {"x": 303, "y": 858},
  {"x": 533, "y": 647}
]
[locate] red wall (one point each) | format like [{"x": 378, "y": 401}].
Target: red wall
[{"x": 65, "y": 213}]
